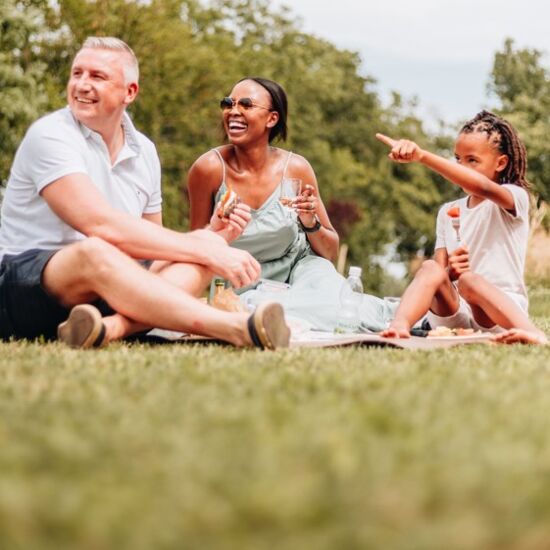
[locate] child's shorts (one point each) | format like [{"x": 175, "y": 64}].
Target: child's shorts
[{"x": 464, "y": 318}]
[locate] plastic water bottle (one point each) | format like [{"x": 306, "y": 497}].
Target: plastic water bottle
[{"x": 351, "y": 296}]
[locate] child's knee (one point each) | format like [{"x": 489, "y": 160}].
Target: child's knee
[
  {"x": 432, "y": 271},
  {"x": 468, "y": 285}
]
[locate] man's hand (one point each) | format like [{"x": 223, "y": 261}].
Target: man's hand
[
  {"x": 402, "y": 150},
  {"x": 232, "y": 227},
  {"x": 459, "y": 262},
  {"x": 237, "y": 266}
]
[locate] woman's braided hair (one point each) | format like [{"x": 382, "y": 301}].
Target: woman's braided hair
[{"x": 502, "y": 135}]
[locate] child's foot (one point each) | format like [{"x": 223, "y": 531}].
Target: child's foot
[
  {"x": 520, "y": 336},
  {"x": 397, "y": 329}
]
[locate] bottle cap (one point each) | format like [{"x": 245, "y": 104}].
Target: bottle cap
[
  {"x": 355, "y": 271},
  {"x": 219, "y": 282}
]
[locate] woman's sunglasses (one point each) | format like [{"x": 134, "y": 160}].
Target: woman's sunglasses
[{"x": 245, "y": 102}]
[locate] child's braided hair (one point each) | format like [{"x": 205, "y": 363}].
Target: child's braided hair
[{"x": 502, "y": 135}]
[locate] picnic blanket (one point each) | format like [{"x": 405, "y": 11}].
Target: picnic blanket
[
  {"x": 322, "y": 339},
  {"x": 317, "y": 339}
]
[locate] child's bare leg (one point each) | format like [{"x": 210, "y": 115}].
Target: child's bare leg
[
  {"x": 490, "y": 306},
  {"x": 432, "y": 289}
]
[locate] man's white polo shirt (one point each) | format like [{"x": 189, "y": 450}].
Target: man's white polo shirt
[{"x": 58, "y": 145}]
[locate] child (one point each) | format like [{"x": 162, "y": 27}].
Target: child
[{"x": 476, "y": 277}]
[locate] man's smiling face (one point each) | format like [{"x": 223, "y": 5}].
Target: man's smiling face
[{"x": 97, "y": 91}]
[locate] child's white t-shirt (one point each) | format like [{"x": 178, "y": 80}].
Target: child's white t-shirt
[{"x": 496, "y": 238}]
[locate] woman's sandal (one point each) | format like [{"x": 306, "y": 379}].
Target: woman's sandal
[
  {"x": 267, "y": 327},
  {"x": 83, "y": 328}
]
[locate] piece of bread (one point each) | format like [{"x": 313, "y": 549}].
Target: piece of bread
[{"x": 228, "y": 202}]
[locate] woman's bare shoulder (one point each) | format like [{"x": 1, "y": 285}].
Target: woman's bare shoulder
[
  {"x": 207, "y": 170},
  {"x": 207, "y": 162},
  {"x": 299, "y": 166}
]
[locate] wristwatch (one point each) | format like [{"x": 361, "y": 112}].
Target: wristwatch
[{"x": 311, "y": 229}]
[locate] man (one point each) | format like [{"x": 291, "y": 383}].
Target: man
[{"x": 83, "y": 205}]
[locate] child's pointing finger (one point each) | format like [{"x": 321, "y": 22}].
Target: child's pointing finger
[{"x": 385, "y": 139}]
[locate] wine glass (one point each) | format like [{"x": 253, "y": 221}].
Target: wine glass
[{"x": 290, "y": 189}]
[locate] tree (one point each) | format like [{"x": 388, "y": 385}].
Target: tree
[
  {"x": 22, "y": 94},
  {"x": 522, "y": 86},
  {"x": 191, "y": 53}
]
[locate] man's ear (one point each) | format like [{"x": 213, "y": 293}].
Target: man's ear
[
  {"x": 132, "y": 90},
  {"x": 273, "y": 119},
  {"x": 502, "y": 163}
]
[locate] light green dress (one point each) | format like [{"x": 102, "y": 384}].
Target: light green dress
[{"x": 276, "y": 240}]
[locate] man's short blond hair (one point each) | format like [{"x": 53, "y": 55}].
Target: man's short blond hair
[{"x": 131, "y": 66}]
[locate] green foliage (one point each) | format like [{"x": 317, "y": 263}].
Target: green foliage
[
  {"x": 191, "y": 54},
  {"x": 22, "y": 96},
  {"x": 522, "y": 85}
]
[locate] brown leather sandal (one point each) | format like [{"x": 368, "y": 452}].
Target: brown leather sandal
[
  {"x": 83, "y": 328},
  {"x": 267, "y": 327}
]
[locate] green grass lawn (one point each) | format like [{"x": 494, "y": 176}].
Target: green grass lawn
[{"x": 148, "y": 447}]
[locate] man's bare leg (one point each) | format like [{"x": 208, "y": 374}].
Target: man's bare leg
[
  {"x": 93, "y": 268},
  {"x": 490, "y": 306},
  {"x": 431, "y": 289},
  {"x": 193, "y": 279}
]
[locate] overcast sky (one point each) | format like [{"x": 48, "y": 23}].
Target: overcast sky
[{"x": 438, "y": 50}]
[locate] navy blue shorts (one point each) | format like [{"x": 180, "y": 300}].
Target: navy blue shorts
[{"x": 26, "y": 309}]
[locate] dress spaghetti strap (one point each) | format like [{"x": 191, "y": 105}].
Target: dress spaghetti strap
[
  {"x": 286, "y": 164},
  {"x": 223, "y": 165},
  {"x": 287, "y": 161}
]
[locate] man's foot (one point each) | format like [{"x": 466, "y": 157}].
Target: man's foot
[
  {"x": 397, "y": 329},
  {"x": 520, "y": 336},
  {"x": 267, "y": 327},
  {"x": 84, "y": 328}
]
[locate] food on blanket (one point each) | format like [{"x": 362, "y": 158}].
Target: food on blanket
[
  {"x": 446, "y": 331},
  {"x": 226, "y": 300},
  {"x": 454, "y": 214},
  {"x": 228, "y": 202}
]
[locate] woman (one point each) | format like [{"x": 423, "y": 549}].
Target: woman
[{"x": 293, "y": 245}]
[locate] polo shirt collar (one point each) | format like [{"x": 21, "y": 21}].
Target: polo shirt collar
[{"x": 130, "y": 132}]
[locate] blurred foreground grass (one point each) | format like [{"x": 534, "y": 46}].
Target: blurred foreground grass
[{"x": 209, "y": 447}]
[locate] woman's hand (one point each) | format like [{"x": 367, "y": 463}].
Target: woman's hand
[
  {"x": 306, "y": 205},
  {"x": 402, "y": 150},
  {"x": 459, "y": 262},
  {"x": 232, "y": 227}
]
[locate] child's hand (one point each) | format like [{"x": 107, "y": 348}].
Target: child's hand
[
  {"x": 459, "y": 262},
  {"x": 402, "y": 150},
  {"x": 520, "y": 336}
]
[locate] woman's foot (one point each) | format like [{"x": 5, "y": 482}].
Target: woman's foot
[{"x": 521, "y": 336}]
